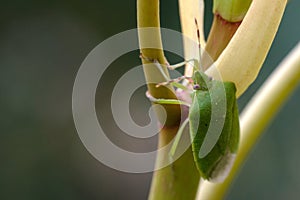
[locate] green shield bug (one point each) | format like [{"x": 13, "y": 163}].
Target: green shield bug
[
  {"x": 215, "y": 164},
  {"x": 213, "y": 121}
]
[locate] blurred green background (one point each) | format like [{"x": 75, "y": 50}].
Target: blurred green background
[{"x": 42, "y": 44}]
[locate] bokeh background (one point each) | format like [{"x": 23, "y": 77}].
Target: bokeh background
[{"x": 42, "y": 44}]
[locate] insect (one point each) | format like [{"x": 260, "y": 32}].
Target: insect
[{"x": 213, "y": 122}]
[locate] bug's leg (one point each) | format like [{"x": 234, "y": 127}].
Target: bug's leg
[
  {"x": 181, "y": 64},
  {"x": 177, "y": 139},
  {"x": 148, "y": 59},
  {"x": 176, "y": 142},
  {"x": 156, "y": 63},
  {"x": 166, "y": 101},
  {"x": 175, "y": 82},
  {"x": 171, "y": 67}
]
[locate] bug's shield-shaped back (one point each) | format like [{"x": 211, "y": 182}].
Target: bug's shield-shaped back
[{"x": 214, "y": 128}]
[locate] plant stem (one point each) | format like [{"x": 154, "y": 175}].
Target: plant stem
[
  {"x": 148, "y": 16},
  {"x": 243, "y": 57},
  {"x": 180, "y": 179},
  {"x": 231, "y": 10},
  {"x": 221, "y": 33},
  {"x": 228, "y": 16},
  {"x": 257, "y": 115}
]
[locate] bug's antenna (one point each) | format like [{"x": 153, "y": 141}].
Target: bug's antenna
[{"x": 199, "y": 44}]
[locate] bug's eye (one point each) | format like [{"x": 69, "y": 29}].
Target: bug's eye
[{"x": 196, "y": 87}]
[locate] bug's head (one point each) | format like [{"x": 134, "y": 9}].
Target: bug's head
[
  {"x": 196, "y": 87},
  {"x": 201, "y": 81}
]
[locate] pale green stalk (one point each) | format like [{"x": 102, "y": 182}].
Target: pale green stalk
[
  {"x": 231, "y": 10},
  {"x": 148, "y": 16},
  {"x": 180, "y": 179},
  {"x": 241, "y": 60}
]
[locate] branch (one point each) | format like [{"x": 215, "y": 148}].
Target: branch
[
  {"x": 242, "y": 59},
  {"x": 151, "y": 47},
  {"x": 180, "y": 179}
]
